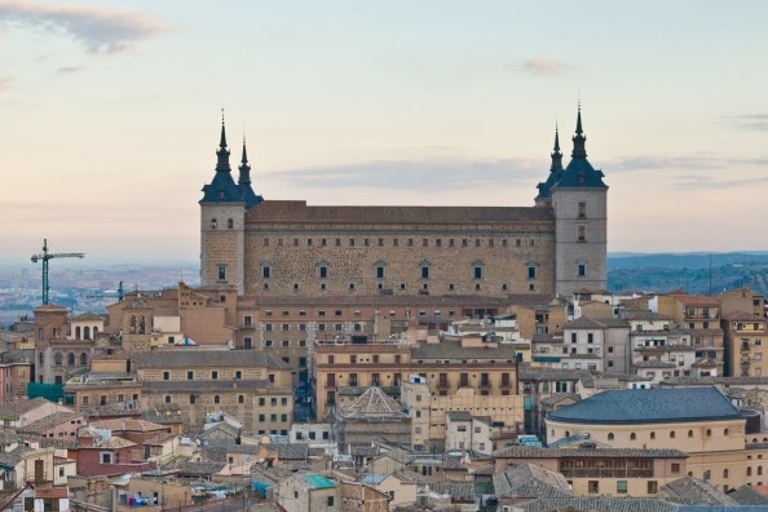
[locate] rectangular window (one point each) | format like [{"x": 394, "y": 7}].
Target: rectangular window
[
  {"x": 425, "y": 272},
  {"x": 214, "y": 375},
  {"x": 590, "y": 338},
  {"x": 323, "y": 272},
  {"x": 266, "y": 272},
  {"x": 582, "y": 210},
  {"x": 238, "y": 374},
  {"x": 166, "y": 375},
  {"x": 593, "y": 486},
  {"x": 582, "y": 234},
  {"x": 105, "y": 457},
  {"x": 531, "y": 272},
  {"x": 478, "y": 272},
  {"x": 582, "y": 270},
  {"x": 380, "y": 272},
  {"x": 222, "y": 272},
  {"x": 621, "y": 487},
  {"x": 653, "y": 487}
]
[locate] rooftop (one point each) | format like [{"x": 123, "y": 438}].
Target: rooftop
[
  {"x": 649, "y": 406},
  {"x": 198, "y": 357}
]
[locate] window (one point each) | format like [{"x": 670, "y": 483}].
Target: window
[
  {"x": 632, "y": 436},
  {"x": 222, "y": 272},
  {"x": 217, "y": 399},
  {"x": 266, "y": 271},
  {"x": 329, "y": 501},
  {"x": 582, "y": 234},
  {"x": 166, "y": 375},
  {"x": 214, "y": 375},
  {"x": 690, "y": 433},
  {"x": 582, "y": 270},
  {"x": 214, "y": 223},
  {"x": 105, "y": 457},
  {"x": 192, "y": 399},
  {"x": 672, "y": 435},
  {"x": 230, "y": 223},
  {"x": 425, "y": 271},
  {"x": 675, "y": 467},
  {"x": 323, "y": 272},
  {"x": 593, "y": 487},
  {"x": 653, "y": 486},
  {"x": 478, "y": 272},
  {"x": 380, "y": 272},
  {"x": 582, "y": 210},
  {"x": 621, "y": 487},
  {"x": 167, "y": 399},
  {"x": 610, "y": 436},
  {"x": 531, "y": 271}
]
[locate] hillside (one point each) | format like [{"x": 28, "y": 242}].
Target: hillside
[{"x": 688, "y": 271}]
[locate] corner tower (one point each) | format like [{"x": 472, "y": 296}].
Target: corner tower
[
  {"x": 579, "y": 202},
  {"x": 222, "y": 225}
]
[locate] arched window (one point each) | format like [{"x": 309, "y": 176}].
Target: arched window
[
  {"x": 672, "y": 435},
  {"x": 709, "y": 432},
  {"x": 216, "y": 399},
  {"x": 759, "y": 470},
  {"x": 83, "y": 359},
  {"x": 77, "y": 332},
  {"x": 95, "y": 330},
  {"x": 42, "y": 360},
  {"x": 749, "y": 471},
  {"x": 191, "y": 399},
  {"x": 567, "y": 434},
  {"x": 653, "y": 435},
  {"x": 632, "y": 436},
  {"x": 59, "y": 358},
  {"x": 87, "y": 332},
  {"x": 213, "y": 223},
  {"x": 230, "y": 223},
  {"x": 707, "y": 475},
  {"x": 725, "y": 473},
  {"x": 725, "y": 432},
  {"x": 167, "y": 399},
  {"x": 690, "y": 433},
  {"x": 610, "y": 436},
  {"x": 71, "y": 359}
]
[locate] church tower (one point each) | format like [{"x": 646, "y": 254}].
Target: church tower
[
  {"x": 579, "y": 202},
  {"x": 222, "y": 222}
]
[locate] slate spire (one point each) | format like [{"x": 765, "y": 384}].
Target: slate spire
[
  {"x": 579, "y": 140},
  {"x": 222, "y": 152},
  {"x": 557, "y": 155},
  {"x": 245, "y": 168}
]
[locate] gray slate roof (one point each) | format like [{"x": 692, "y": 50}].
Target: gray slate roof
[
  {"x": 207, "y": 359},
  {"x": 649, "y": 406},
  {"x": 530, "y": 452},
  {"x": 747, "y": 495},
  {"x": 529, "y": 480},
  {"x": 691, "y": 491},
  {"x": 599, "y": 504}
]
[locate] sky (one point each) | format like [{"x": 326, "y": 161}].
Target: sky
[{"x": 111, "y": 113}]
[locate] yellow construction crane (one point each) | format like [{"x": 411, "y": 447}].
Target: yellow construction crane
[{"x": 44, "y": 257}]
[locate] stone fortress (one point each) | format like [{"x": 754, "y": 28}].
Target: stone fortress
[{"x": 284, "y": 248}]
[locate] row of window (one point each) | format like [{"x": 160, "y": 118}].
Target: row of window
[
  {"x": 652, "y": 435},
  {"x": 407, "y": 242},
  {"x": 240, "y": 400},
  {"x": 320, "y": 327},
  {"x": 593, "y": 487},
  {"x": 71, "y": 359},
  {"x": 214, "y": 375},
  {"x": 380, "y": 271},
  {"x": 215, "y": 223}
]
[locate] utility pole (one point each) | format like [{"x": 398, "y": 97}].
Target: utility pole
[{"x": 45, "y": 256}]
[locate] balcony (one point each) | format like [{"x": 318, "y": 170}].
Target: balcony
[
  {"x": 745, "y": 347},
  {"x": 485, "y": 384}
]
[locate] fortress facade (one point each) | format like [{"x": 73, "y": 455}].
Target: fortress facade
[{"x": 284, "y": 248}]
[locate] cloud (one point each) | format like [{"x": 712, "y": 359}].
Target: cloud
[
  {"x": 757, "y": 122},
  {"x": 5, "y": 82},
  {"x": 544, "y": 67},
  {"x": 69, "y": 69},
  {"x": 426, "y": 175},
  {"x": 101, "y": 30},
  {"x": 698, "y": 182}
]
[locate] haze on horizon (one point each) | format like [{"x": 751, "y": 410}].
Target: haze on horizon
[{"x": 112, "y": 114}]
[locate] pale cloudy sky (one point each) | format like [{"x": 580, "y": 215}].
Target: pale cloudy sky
[{"x": 111, "y": 112}]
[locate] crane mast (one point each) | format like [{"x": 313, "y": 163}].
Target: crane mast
[{"x": 45, "y": 256}]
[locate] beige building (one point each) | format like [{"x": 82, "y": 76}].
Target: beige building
[
  {"x": 594, "y": 471},
  {"x": 58, "y": 357},
  {"x": 454, "y": 363},
  {"x": 745, "y": 336},
  {"x": 285, "y": 248},
  {"x": 698, "y": 421},
  {"x": 251, "y": 386}
]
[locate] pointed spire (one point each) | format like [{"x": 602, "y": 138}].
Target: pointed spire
[
  {"x": 557, "y": 156},
  {"x": 579, "y": 140},
  {"x": 245, "y": 168},
  {"x": 223, "y": 152}
]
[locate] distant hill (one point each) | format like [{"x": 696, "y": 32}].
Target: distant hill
[{"x": 688, "y": 271}]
